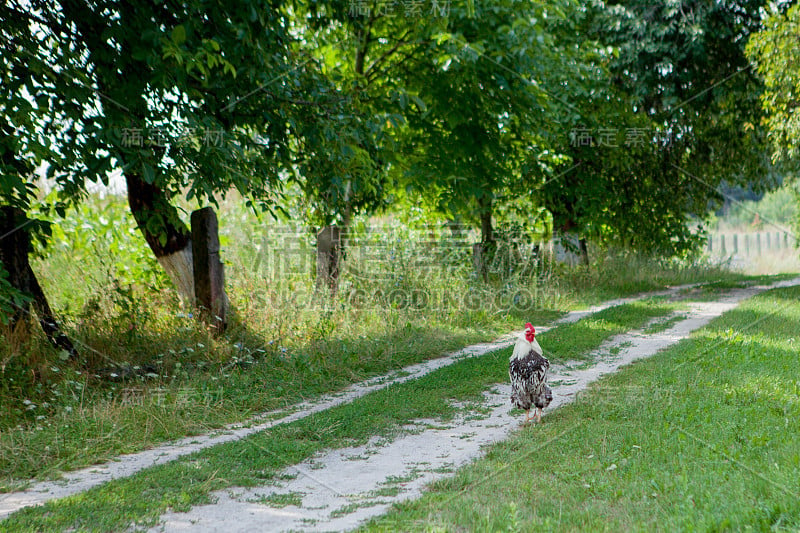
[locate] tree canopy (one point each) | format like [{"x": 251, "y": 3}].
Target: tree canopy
[
  {"x": 621, "y": 119},
  {"x": 678, "y": 116},
  {"x": 183, "y": 98}
]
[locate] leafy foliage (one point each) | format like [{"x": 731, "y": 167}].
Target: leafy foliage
[
  {"x": 11, "y": 299},
  {"x": 775, "y": 50},
  {"x": 679, "y": 115},
  {"x": 482, "y": 107}
]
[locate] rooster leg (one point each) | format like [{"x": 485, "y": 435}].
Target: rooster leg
[
  {"x": 527, "y": 416},
  {"x": 538, "y": 415}
]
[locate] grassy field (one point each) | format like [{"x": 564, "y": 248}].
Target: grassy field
[
  {"x": 701, "y": 437},
  {"x": 141, "y": 498},
  {"x": 150, "y": 372}
]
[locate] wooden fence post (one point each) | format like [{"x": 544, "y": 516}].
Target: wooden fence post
[
  {"x": 209, "y": 276},
  {"x": 735, "y": 243},
  {"x": 478, "y": 260},
  {"x": 758, "y": 244},
  {"x": 329, "y": 246},
  {"x": 747, "y": 244},
  {"x": 722, "y": 244}
]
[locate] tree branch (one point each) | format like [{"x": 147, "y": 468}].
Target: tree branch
[
  {"x": 387, "y": 54},
  {"x": 361, "y": 53}
]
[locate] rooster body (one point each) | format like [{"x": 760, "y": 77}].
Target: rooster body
[{"x": 527, "y": 370}]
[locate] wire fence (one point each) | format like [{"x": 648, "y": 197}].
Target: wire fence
[{"x": 756, "y": 252}]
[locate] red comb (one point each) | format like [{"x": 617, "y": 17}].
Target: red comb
[{"x": 530, "y": 333}]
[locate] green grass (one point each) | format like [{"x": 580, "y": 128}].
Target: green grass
[
  {"x": 575, "y": 341},
  {"x": 150, "y": 373},
  {"x": 713, "y": 291},
  {"x": 663, "y": 325},
  {"x": 281, "y": 500},
  {"x": 252, "y": 461},
  {"x": 701, "y": 437}
]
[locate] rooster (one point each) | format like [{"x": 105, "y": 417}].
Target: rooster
[{"x": 527, "y": 369}]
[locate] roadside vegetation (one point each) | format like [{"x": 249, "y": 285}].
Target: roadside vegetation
[{"x": 774, "y": 208}]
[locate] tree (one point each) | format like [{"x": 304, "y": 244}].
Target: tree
[
  {"x": 775, "y": 50},
  {"x": 345, "y": 165},
  {"x": 22, "y": 290},
  {"x": 679, "y": 79},
  {"x": 455, "y": 100},
  {"x": 27, "y": 127},
  {"x": 189, "y": 98},
  {"x": 483, "y": 132},
  {"x": 341, "y": 165},
  {"x": 182, "y": 74}
]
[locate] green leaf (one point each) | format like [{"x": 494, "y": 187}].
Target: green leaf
[
  {"x": 148, "y": 173},
  {"x": 420, "y": 103},
  {"x": 179, "y": 34}
]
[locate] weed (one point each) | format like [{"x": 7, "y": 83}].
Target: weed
[{"x": 281, "y": 500}]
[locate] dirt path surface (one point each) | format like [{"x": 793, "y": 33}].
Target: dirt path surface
[
  {"x": 127, "y": 465},
  {"x": 340, "y": 489}
]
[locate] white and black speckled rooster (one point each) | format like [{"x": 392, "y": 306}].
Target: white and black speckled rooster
[{"x": 528, "y": 372}]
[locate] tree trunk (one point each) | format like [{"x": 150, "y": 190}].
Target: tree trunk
[
  {"x": 14, "y": 249},
  {"x": 456, "y": 229},
  {"x": 483, "y": 252},
  {"x": 487, "y": 231},
  {"x": 567, "y": 248},
  {"x": 157, "y": 219},
  {"x": 167, "y": 236},
  {"x": 479, "y": 261},
  {"x": 331, "y": 251}
]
